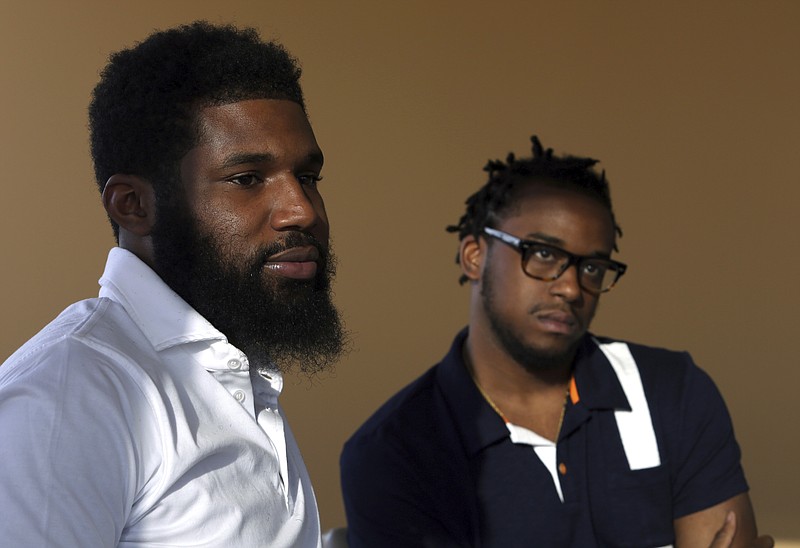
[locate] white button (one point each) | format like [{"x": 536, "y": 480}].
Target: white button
[
  {"x": 234, "y": 364},
  {"x": 239, "y": 395}
]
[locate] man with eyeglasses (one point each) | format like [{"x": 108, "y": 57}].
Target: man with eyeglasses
[{"x": 532, "y": 431}]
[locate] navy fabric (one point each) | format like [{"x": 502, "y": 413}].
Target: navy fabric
[{"x": 435, "y": 466}]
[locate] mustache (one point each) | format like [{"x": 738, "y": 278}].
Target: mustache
[
  {"x": 564, "y": 313},
  {"x": 290, "y": 240},
  {"x": 547, "y": 308}
]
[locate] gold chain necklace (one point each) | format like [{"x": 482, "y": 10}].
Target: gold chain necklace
[
  {"x": 488, "y": 399},
  {"x": 502, "y": 416}
]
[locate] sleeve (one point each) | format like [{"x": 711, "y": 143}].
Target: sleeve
[
  {"x": 387, "y": 501},
  {"x": 708, "y": 458},
  {"x": 67, "y": 456}
]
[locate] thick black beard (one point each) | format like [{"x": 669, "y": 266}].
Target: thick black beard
[
  {"x": 282, "y": 325},
  {"x": 532, "y": 359}
]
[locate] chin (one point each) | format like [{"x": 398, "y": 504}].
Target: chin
[{"x": 549, "y": 355}]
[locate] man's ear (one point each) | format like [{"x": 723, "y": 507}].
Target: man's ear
[
  {"x": 131, "y": 202},
  {"x": 471, "y": 254}
]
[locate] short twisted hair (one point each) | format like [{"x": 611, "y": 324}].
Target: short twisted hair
[
  {"x": 142, "y": 116},
  {"x": 495, "y": 198}
]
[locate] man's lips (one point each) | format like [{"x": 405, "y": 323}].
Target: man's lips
[
  {"x": 557, "y": 321},
  {"x": 296, "y": 262}
]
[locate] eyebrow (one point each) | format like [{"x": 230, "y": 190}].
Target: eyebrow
[
  {"x": 544, "y": 238},
  {"x": 246, "y": 158},
  {"x": 264, "y": 157},
  {"x": 558, "y": 242}
]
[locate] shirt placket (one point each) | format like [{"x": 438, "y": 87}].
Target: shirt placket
[{"x": 267, "y": 386}]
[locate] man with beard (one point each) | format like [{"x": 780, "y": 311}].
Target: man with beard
[
  {"x": 531, "y": 431},
  {"x": 149, "y": 416}
]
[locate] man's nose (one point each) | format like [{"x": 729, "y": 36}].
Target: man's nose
[
  {"x": 293, "y": 208},
  {"x": 567, "y": 284}
]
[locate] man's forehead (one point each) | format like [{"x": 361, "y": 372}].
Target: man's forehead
[
  {"x": 267, "y": 127},
  {"x": 248, "y": 113},
  {"x": 557, "y": 209}
]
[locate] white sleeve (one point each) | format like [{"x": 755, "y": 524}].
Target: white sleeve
[{"x": 68, "y": 455}]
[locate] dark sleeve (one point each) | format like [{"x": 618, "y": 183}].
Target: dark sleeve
[
  {"x": 405, "y": 481},
  {"x": 386, "y": 501},
  {"x": 708, "y": 466}
]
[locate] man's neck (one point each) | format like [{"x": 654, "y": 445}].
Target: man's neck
[{"x": 527, "y": 397}]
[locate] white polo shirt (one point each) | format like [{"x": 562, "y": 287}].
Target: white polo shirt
[{"x": 130, "y": 421}]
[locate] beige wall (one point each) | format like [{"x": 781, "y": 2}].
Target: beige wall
[{"x": 691, "y": 106}]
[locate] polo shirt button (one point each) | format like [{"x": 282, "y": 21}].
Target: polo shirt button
[
  {"x": 234, "y": 364},
  {"x": 239, "y": 395},
  {"x": 562, "y": 468}
]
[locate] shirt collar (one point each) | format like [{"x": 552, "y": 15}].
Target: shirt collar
[
  {"x": 164, "y": 317},
  {"x": 597, "y": 384},
  {"x": 480, "y": 426}
]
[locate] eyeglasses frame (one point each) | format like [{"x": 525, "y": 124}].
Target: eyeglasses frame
[{"x": 522, "y": 247}]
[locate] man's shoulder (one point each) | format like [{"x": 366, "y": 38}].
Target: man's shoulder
[
  {"x": 421, "y": 415},
  {"x": 656, "y": 352},
  {"x": 670, "y": 378},
  {"x": 402, "y": 411},
  {"x": 649, "y": 358},
  {"x": 57, "y": 332},
  {"x": 413, "y": 437},
  {"x": 95, "y": 329}
]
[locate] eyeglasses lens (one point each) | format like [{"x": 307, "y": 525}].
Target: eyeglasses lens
[{"x": 546, "y": 263}]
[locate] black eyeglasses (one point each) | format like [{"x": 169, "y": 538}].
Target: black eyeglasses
[{"x": 548, "y": 262}]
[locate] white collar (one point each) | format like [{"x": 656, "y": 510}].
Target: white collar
[{"x": 164, "y": 317}]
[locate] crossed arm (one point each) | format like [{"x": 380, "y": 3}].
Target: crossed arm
[{"x": 729, "y": 524}]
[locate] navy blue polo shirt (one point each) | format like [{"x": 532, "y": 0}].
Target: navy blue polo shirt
[{"x": 435, "y": 465}]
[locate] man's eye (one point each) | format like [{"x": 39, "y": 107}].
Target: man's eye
[
  {"x": 309, "y": 179},
  {"x": 596, "y": 270},
  {"x": 542, "y": 254},
  {"x": 247, "y": 179}
]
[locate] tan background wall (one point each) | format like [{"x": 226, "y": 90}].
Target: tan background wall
[{"x": 691, "y": 106}]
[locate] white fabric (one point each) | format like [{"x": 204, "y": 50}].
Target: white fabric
[
  {"x": 544, "y": 449},
  {"x": 130, "y": 421},
  {"x": 635, "y": 426}
]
